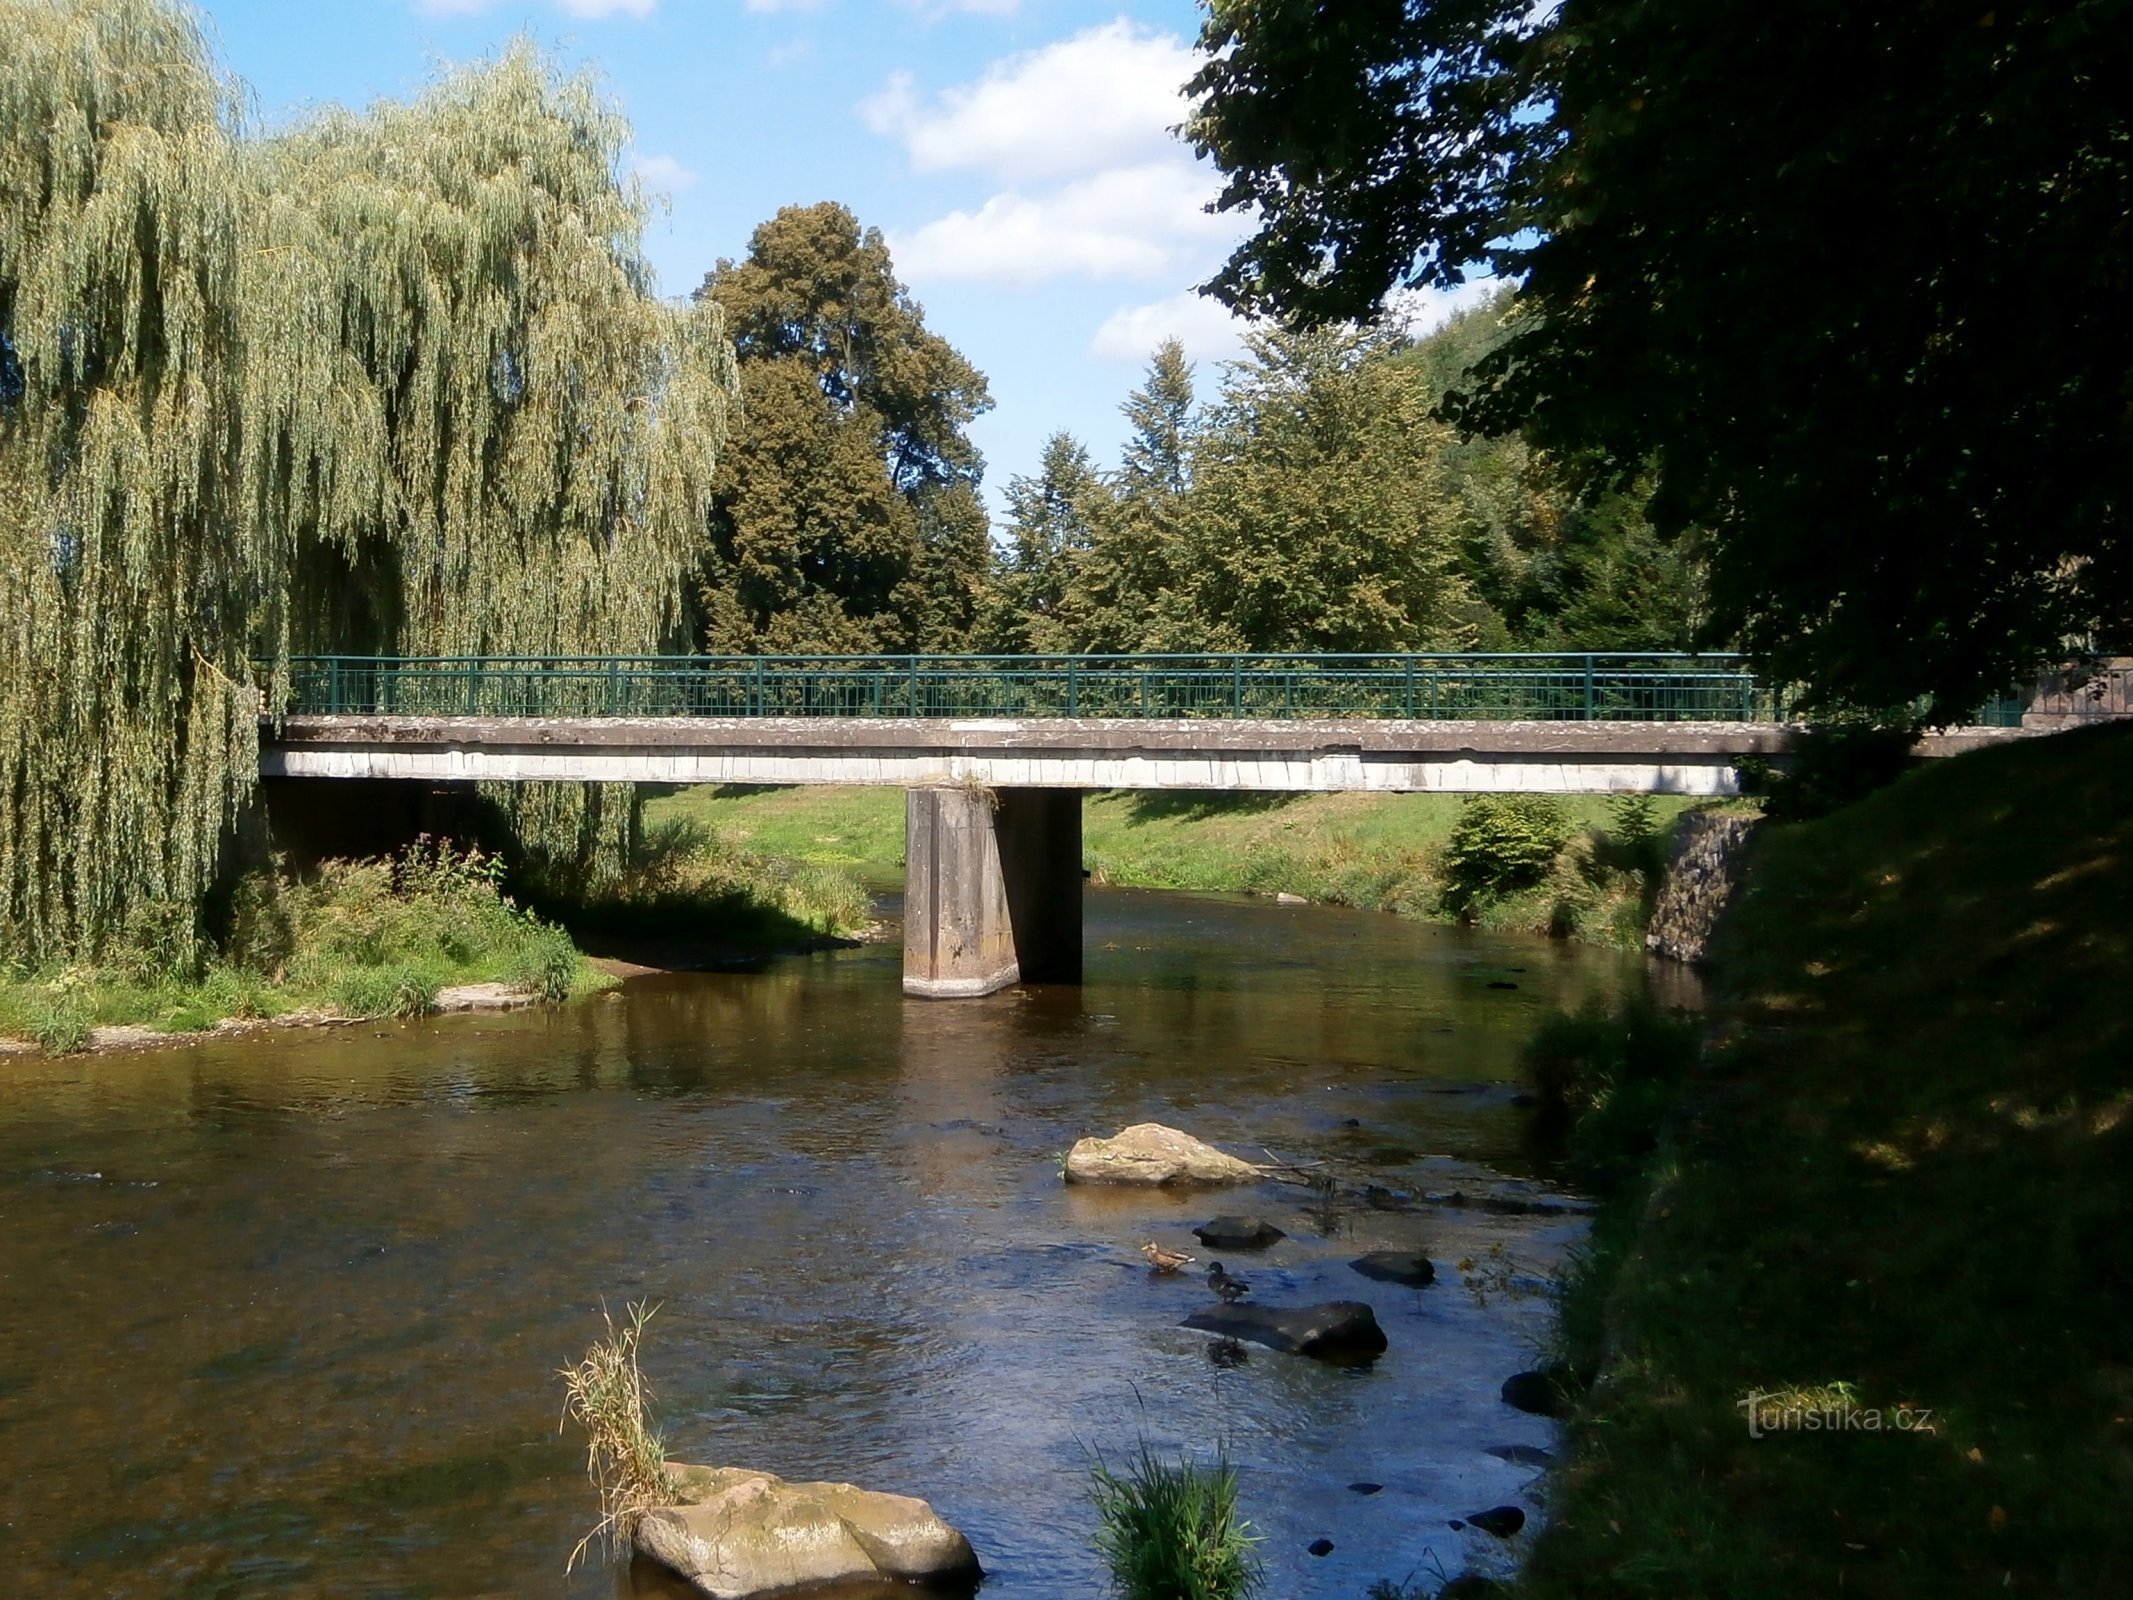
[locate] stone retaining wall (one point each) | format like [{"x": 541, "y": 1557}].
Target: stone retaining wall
[{"x": 1710, "y": 849}]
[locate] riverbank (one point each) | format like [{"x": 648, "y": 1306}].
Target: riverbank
[
  {"x": 1372, "y": 852},
  {"x": 1860, "y": 1322},
  {"x": 428, "y": 930}
]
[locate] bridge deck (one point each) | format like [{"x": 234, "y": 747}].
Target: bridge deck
[{"x": 1328, "y": 754}]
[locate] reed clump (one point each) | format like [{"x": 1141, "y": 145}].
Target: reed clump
[
  {"x": 625, "y": 1458},
  {"x": 1169, "y": 1530}
]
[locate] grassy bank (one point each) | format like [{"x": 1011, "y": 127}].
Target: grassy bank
[
  {"x": 355, "y": 939},
  {"x": 1376, "y": 852},
  {"x": 1885, "y": 1220}
]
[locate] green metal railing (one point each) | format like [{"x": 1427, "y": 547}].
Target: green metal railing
[{"x": 1596, "y": 686}]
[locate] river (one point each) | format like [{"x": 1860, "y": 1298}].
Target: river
[{"x": 281, "y": 1314}]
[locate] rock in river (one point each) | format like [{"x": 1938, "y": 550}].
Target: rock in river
[
  {"x": 1150, "y": 1153},
  {"x": 1541, "y": 1393},
  {"x": 1340, "y": 1330},
  {"x": 1238, "y": 1233},
  {"x": 1391, "y": 1266},
  {"x": 745, "y": 1533}
]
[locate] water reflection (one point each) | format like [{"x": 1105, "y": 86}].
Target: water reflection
[{"x": 282, "y": 1315}]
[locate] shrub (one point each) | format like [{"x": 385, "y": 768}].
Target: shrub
[
  {"x": 624, "y": 1456},
  {"x": 390, "y": 991},
  {"x": 1501, "y": 844},
  {"x": 59, "y": 1015},
  {"x": 546, "y": 964},
  {"x": 1170, "y": 1530},
  {"x": 262, "y": 935}
]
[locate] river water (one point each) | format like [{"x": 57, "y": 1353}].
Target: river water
[{"x": 280, "y": 1315}]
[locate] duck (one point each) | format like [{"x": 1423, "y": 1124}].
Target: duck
[
  {"x": 1228, "y": 1286},
  {"x": 1165, "y": 1261}
]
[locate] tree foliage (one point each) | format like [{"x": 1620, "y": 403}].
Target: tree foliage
[
  {"x": 394, "y": 381},
  {"x": 1848, "y": 281},
  {"x": 846, "y": 516},
  {"x": 1317, "y": 518}
]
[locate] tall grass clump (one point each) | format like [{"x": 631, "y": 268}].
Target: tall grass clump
[
  {"x": 1169, "y": 1530},
  {"x": 59, "y": 1015},
  {"x": 624, "y": 1457}
]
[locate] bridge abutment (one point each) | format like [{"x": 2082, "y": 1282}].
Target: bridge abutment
[{"x": 992, "y": 889}]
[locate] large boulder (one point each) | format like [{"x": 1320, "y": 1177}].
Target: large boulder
[
  {"x": 1339, "y": 1330},
  {"x": 742, "y": 1533},
  {"x": 1150, "y": 1153}
]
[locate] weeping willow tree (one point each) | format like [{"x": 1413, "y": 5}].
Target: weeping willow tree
[
  {"x": 130, "y": 592},
  {"x": 394, "y": 381},
  {"x": 490, "y": 435}
]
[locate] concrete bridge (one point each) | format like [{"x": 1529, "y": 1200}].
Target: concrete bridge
[{"x": 999, "y": 749}]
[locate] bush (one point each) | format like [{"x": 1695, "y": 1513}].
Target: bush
[
  {"x": 60, "y": 1015},
  {"x": 389, "y": 991},
  {"x": 262, "y": 936},
  {"x": 1501, "y": 844},
  {"x": 1829, "y": 766},
  {"x": 1170, "y": 1531},
  {"x": 546, "y": 964}
]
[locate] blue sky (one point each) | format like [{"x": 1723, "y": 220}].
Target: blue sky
[{"x": 1014, "y": 152}]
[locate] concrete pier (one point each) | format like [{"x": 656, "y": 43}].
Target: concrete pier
[{"x": 992, "y": 889}]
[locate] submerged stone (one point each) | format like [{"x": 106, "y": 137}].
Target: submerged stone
[
  {"x": 741, "y": 1534},
  {"x": 1150, "y": 1153},
  {"x": 1238, "y": 1233},
  {"x": 1393, "y": 1266},
  {"x": 1339, "y": 1330}
]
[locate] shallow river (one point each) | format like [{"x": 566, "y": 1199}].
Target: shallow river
[{"x": 281, "y": 1315}]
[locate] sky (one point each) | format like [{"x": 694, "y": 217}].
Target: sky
[{"x": 1016, "y": 153}]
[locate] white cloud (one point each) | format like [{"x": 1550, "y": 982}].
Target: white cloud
[
  {"x": 1204, "y": 327},
  {"x": 1105, "y": 96},
  {"x": 772, "y": 7},
  {"x": 591, "y": 9},
  {"x": 1420, "y": 311},
  {"x": 1143, "y": 221},
  {"x": 663, "y": 172}
]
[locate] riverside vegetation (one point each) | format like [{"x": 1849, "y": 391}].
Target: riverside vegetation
[
  {"x": 1859, "y": 1295},
  {"x": 353, "y": 939}
]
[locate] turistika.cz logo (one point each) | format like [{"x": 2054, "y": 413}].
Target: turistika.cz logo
[{"x": 1832, "y": 1408}]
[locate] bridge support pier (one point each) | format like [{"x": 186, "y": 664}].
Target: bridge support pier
[{"x": 992, "y": 889}]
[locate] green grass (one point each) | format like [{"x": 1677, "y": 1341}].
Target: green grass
[
  {"x": 1168, "y": 1530},
  {"x": 1899, "y": 1179},
  {"x": 706, "y": 884},
  {"x": 356, "y": 938},
  {"x": 1375, "y": 852}
]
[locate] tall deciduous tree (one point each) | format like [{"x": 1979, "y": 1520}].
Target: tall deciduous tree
[
  {"x": 1851, "y": 279},
  {"x": 130, "y": 583},
  {"x": 1317, "y": 518},
  {"x": 391, "y": 381},
  {"x": 463, "y": 400},
  {"x": 847, "y": 516}
]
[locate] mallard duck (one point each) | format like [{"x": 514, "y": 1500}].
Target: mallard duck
[
  {"x": 1166, "y": 1260},
  {"x": 1230, "y": 1287}
]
